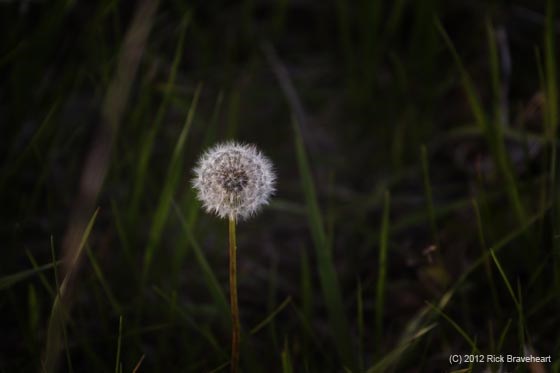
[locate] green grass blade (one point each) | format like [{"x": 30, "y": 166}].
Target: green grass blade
[
  {"x": 220, "y": 368},
  {"x": 118, "y": 363},
  {"x": 504, "y": 277},
  {"x": 516, "y": 301},
  {"x": 306, "y": 294},
  {"x": 271, "y": 316},
  {"x": 209, "y": 277},
  {"x": 207, "y": 335},
  {"x": 42, "y": 276},
  {"x": 174, "y": 172},
  {"x": 58, "y": 316},
  {"x": 500, "y": 245},
  {"x": 34, "y": 307},
  {"x": 492, "y": 131},
  {"x": 382, "y": 275},
  {"x": 59, "y": 320},
  {"x": 148, "y": 141},
  {"x": 395, "y": 17},
  {"x": 104, "y": 284},
  {"x": 487, "y": 266},
  {"x": 360, "y": 321},
  {"x": 327, "y": 273},
  {"x": 503, "y": 336},
  {"x": 314, "y": 214},
  {"x": 396, "y": 355},
  {"x": 10, "y": 280},
  {"x": 122, "y": 234},
  {"x": 456, "y": 326},
  {"x": 286, "y": 359},
  {"x": 520, "y": 319},
  {"x": 476, "y": 107}
]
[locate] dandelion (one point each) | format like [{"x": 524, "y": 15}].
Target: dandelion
[{"x": 234, "y": 181}]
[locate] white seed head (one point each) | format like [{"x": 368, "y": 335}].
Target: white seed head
[{"x": 234, "y": 180}]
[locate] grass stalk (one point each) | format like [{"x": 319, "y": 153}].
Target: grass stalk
[
  {"x": 397, "y": 354},
  {"x": 286, "y": 360},
  {"x": 59, "y": 312},
  {"x": 429, "y": 195},
  {"x": 60, "y": 316},
  {"x": 383, "y": 244},
  {"x": 210, "y": 278},
  {"x": 186, "y": 316},
  {"x": 327, "y": 272},
  {"x": 504, "y": 277},
  {"x": 272, "y": 315},
  {"x": 487, "y": 266},
  {"x": 455, "y": 326},
  {"x": 516, "y": 301},
  {"x": 492, "y": 132},
  {"x": 503, "y": 336},
  {"x": 104, "y": 283},
  {"x": 170, "y": 182},
  {"x": 147, "y": 142},
  {"x": 360, "y": 321},
  {"x": 118, "y": 364},
  {"x": 10, "y": 280},
  {"x": 328, "y": 276}
]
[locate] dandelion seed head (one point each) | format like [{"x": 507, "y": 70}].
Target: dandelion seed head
[{"x": 234, "y": 180}]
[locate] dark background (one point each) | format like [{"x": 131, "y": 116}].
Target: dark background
[{"x": 92, "y": 107}]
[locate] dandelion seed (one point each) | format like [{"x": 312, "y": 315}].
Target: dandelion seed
[{"x": 234, "y": 180}]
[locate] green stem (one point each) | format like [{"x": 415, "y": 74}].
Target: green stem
[{"x": 235, "y": 337}]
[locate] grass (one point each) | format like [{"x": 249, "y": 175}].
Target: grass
[
  {"x": 382, "y": 274},
  {"x": 327, "y": 273},
  {"x": 61, "y": 305},
  {"x": 490, "y": 127},
  {"x": 118, "y": 364},
  {"x": 106, "y": 108},
  {"x": 172, "y": 177}
]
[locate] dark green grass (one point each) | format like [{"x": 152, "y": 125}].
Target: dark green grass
[{"x": 416, "y": 212}]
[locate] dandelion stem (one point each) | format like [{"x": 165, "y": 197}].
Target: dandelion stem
[{"x": 235, "y": 337}]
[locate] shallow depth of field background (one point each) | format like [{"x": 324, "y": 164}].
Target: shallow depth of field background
[{"x": 417, "y": 205}]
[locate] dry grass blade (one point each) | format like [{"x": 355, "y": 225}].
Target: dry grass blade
[
  {"x": 60, "y": 309},
  {"x": 96, "y": 166},
  {"x": 137, "y": 366},
  {"x": 97, "y": 162}
]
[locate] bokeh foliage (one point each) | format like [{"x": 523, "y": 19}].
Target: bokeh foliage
[{"x": 417, "y": 207}]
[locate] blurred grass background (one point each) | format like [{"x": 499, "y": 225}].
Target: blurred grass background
[{"x": 417, "y": 207}]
